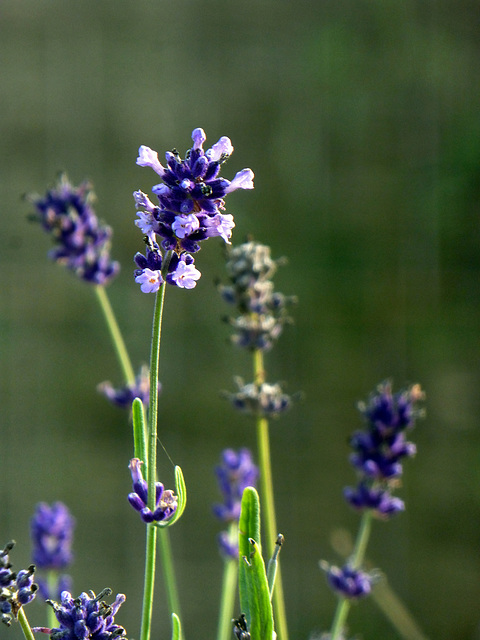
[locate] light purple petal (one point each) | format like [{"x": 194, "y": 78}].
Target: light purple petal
[
  {"x": 243, "y": 180},
  {"x": 222, "y": 147},
  {"x": 198, "y": 137},
  {"x": 149, "y": 158}
]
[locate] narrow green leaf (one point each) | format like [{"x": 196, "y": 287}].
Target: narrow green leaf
[
  {"x": 139, "y": 432},
  {"x": 181, "y": 493},
  {"x": 253, "y": 585},
  {"x": 176, "y": 627}
]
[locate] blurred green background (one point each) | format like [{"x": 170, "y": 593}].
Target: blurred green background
[{"x": 360, "y": 119}]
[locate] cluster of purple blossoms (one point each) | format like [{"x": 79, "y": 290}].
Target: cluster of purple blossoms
[
  {"x": 82, "y": 244},
  {"x": 263, "y": 312},
  {"x": 124, "y": 396},
  {"x": 51, "y": 530},
  {"x": 380, "y": 448},
  {"x": 265, "y": 400},
  {"x": 235, "y": 472},
  {"x": 349, "y": 582},
  {"x": 16, "y": 589},
  {"x": 165, "y": 500},
  {"x": 87, "y": 617},
  {"x": 190, "y": 209}
]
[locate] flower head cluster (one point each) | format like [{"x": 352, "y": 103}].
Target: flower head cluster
[
  {"x": 264, "y": 399},
  {"x": 190, "y": 209},
  {"x": 348, "y": 582},
  {"x": 82, "y": 244},
  {"x": 165, "y": 500},
  {"x": 124, "y": 396},
  {"x": 235, "y": 472},
  {"x": 378, "y": 451},
  {"x": 263, "y": 312},
  {"x": 87, "y": 617},
  {"x": 51, "y": 530},
  {"x": 16, "y": 589}
]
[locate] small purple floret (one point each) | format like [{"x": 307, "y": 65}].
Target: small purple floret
[
  {"x": 349, "y": 582},
  {"x": 165, "y": 500},
  {"x": 124, "y": 396}
]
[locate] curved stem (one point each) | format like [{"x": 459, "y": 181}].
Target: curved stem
[
  {"x": 229, "y": 590},
  {"x": 115, "y": 334},
  {"x": 356, "y": 560},
  {"x": 168, "y": 572},
  {"x": 268, "y": 503}
]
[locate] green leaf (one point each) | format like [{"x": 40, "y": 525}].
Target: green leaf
[
  {"x": 253, "y": 585},
  {"x": 139, "y": 432},
  {"x": 181, "y": 493},
  {"x": 176, "y": 627}
]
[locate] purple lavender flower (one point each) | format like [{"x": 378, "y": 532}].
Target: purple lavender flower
[
  {"x": 190, "y": 210},
  {"x": 87, "y": 617},
  {"x": 181, "y": 270},
  {"x": 82, "y": 244},
  {"x": 165, "y": 500},
  {"x": 235, "y": 472},
  {"x": 16, "y": 589},
  {"x": 380, "y": 448},
  {"x": 52, "y": 535},
  {"x": 348, "y": 582},
  {"x": 124, "y": 396}
]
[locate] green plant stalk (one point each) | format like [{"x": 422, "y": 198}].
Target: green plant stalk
[
  {"x": 52, "y": 587},
  {"x": 26, "y": 628},
  {"x": 229, "y": 589},
  {"x": 168, "y": 572},
  {"x": 356, "y": 560},
  {"x": 268, "y": 503},
  {"x": 115, "y": 334},
  {"x": 150, "y": 553}
]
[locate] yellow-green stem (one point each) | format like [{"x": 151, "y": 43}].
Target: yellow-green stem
[
  {"x": 268, "y": 502},
  {"x": 115, "y": 334},
  {"x": 229, "y": 590},
  {"x": 356, "y": 560},
  {"x": 26, "y": 628}
]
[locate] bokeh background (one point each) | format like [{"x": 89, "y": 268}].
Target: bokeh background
[{"x": 361, "y": 121}]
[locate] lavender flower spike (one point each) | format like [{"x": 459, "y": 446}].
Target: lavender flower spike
[
  {"x": 235, "y": 472},
  {"x": 165, "y": 500},
  {"x": 87, "y": 617},
  {"x": 52, "y": 535},
  {"x": 190, "y": 196},
  {"x": 82, "y": 244},
  {"x": 16, "y": 589}
]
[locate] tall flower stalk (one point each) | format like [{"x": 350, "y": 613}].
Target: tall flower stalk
[
  {"x": 262, "y": 314},
  {"x": 377, "y": 455},
  {"x": 189, "y": 210}
]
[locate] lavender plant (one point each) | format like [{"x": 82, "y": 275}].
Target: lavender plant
[{"x": 189, "y": 209}]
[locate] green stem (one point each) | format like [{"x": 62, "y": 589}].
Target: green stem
[
  {"x": 26, "y": 628},
  {"x": 149, "y": 582},
  {"x": 115, "y": 334},
  {"x": 356, "y": 560},
  {"x": 168, "y": 572},
  {"x": 52, "y": 589},
  {"x": 229, "y": 590},
  {"x": 268, "y": 503},
  {"x": 165, "y": 549}
]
